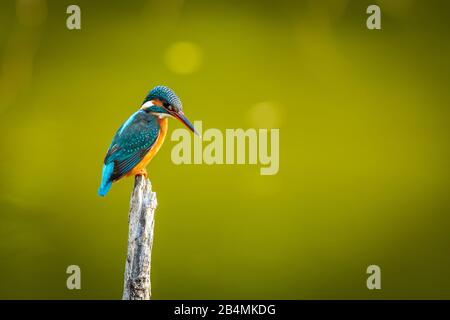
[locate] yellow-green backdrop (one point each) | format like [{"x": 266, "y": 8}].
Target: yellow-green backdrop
[{"x": 364, "y": 147}]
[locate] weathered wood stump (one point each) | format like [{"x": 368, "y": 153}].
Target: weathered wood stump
[{"x": 137, "y": 285}]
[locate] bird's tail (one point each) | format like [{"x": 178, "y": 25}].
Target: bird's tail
[{"x": 106, "y": 179}]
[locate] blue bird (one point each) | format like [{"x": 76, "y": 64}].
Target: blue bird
[{"x": 139, "y": 138}]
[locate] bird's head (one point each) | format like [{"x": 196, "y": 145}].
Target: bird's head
[{"x": 163, "y": 102}]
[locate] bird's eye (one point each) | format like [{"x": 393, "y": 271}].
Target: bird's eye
[{"x": 166, "y": 104}]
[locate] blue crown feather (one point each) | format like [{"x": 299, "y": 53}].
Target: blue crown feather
[{"x": 164, "y": 93}]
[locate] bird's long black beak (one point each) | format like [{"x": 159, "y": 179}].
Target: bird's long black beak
[{"x": 180, "y": 116}]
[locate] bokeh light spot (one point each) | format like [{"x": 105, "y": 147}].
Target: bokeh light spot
[
  {"x": 265, "y": 115},
  {"x": 183, "y": 57}
]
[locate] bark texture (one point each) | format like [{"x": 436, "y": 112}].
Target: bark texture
[{"x": 137, "y": 285}]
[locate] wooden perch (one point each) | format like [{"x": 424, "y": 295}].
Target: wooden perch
[{"x": 137, "y": 285}]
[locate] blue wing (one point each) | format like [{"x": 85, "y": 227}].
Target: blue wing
[{"x": 130, "y": 144}]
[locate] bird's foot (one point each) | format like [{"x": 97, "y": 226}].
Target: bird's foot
[{"x": 142, "y": 172}]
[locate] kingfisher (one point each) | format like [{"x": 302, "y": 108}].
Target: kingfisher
[{"x": 140, "y": 137}]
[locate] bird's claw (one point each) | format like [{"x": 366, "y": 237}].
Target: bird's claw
[{"x": 142, "y": 172}]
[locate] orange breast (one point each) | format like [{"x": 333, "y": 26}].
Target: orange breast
[{"x": 154, "y": 149}]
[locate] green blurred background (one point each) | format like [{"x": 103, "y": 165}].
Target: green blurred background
[{"x": 364, "y": 147}]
